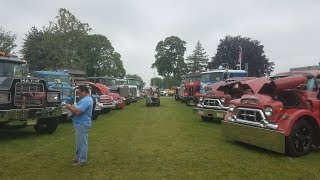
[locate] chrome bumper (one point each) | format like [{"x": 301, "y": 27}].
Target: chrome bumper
[
  {"x": 29, "y": 116},
  {"x": 265, "y": 138},
  {"x": 107, "y": 106},
  {"x": 214, "y": 113}
]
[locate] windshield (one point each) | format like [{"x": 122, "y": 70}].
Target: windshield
[
  {"x": 110, "y": 82},
  {"x": 133, "y": 82},
  {"x": 120, "y": 82},
  {"x": 58, "y": 78},
  {"x": 10, "y": 69},
  {"x": 311, "y": 85},
  {"x": 194, "y": 78},
  {"x": 237, "y": 74},
  {"x": 212, "y": 77}
]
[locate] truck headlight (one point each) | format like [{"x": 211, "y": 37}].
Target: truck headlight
[
  {"x": 268, "y": 111},
  {"x": 200, "y": 99},
  {"x": 53, "y": 97},
  {"x": 222, "y": 100},
  {"x": 231, "y": 108},
  {"x": 4, "y": 97}
]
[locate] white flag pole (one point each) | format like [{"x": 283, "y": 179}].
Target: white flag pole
[{"x": 240, "y": 57}]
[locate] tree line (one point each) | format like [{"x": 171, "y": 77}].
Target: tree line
[
  {"x": 67, "y": 44},
  {"x": 171, "y": 65}
]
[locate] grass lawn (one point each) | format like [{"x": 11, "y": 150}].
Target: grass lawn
[{"x": 141, "y": 142}]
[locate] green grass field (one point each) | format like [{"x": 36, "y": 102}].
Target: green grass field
[{"x": 138, "y": 142}]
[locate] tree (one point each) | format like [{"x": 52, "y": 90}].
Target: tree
[
  {"x": 198, "y": 60},
  {"x": 171, "y": 81},
  {"x": 66, "y": 22},
  {"x": 71, "y": 33},
  {"x": 99, "y": 57},
  {"x": 169, "y": 57},
  {"x": 42, "y": 50},
  {"x": 7, "y": 41},
  {"x": 135, "y": 76},
  {"x": 252, "y": 53},
  {"x": 156, "y": 81},
  {"x": 33, "y": 50}
]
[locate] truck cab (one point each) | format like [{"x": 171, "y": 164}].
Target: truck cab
[
  {"x": 26, "y": 101},
  {"x": 191, "y": 88}
]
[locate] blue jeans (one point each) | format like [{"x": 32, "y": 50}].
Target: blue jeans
[
  {"x": 81, "y": 132},
  {"x": 149, "y": 100}
]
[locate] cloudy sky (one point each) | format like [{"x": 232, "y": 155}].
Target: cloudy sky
[{"x": 288, "y": 29}]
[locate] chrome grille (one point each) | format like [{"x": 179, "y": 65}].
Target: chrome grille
[
  {"x": 133, "y": 91},
  {"x": 253, "y": 115},
  {"x": 105, "y": 99},
  {"x": 211, "y": 102},
  {"x": 22, "y": 87}
]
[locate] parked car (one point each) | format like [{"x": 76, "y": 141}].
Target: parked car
[{"x": 164, "y": 92}]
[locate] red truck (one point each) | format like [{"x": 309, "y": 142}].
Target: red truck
[
  {"x": 283, "y": 116},
  {"x": 215, "y": 103},
  {"x": 117, "y": 101}
]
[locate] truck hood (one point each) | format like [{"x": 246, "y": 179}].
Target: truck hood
[
  {"x": 244, "y": 85},
  {"x": 216, "y": 85},
  {"x": 6, "y": 82},
  {"x": 104, "y": 89},
  {"x": 278, "y": 85},
  {"x": 215, "y": 94},
  {"x": 115, "y": 96}
]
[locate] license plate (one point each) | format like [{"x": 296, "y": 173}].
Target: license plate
[
  {"x": 220, "y": 115},
  {"x": 200, "y": 112},
  {"x": 31, "y": 121}
]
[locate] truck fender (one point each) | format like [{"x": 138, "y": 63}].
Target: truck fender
[{"x": 294, "y": 115}]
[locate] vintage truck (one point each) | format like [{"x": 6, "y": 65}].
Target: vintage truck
[
  {"x": 133, "y": 84},
  {"x": 191, "y": 88},
  {"x": 283, "y": 116},
  {"x": 215, "y": 103},
  {"x": 58, "y": 80},
  {"x": 26, "y": 101},
  {"x": 118, "y": 102}
]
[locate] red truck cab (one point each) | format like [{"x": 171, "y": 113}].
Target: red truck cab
[{"x": 215, "y": 103}]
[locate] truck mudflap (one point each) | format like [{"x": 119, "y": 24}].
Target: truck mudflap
[
  {"x": 214, "y": 113},
  {"x": 32, "y": 113},
  {"x": 264, "y": 138}
]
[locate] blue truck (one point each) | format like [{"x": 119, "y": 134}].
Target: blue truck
[{"x": 59, "y": 81}]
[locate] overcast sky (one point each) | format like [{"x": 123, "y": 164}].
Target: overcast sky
[{"x": 288, "y": 29}]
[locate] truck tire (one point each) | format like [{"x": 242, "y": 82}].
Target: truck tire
[
  {"x": 204, "y": 118},
  {"x": 105, "y": 111},
  {"x": 95, "y": 115},
  {"x": 47, "y": 125},
  {"x": 300, "y": 141}
]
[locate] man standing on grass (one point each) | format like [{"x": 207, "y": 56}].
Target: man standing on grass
[{"x": 81, "y": 120}]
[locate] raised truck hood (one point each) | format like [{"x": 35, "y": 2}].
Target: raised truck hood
[
  {"x": 278, "y": 85},
  {"x": 244, "y": 85}
]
